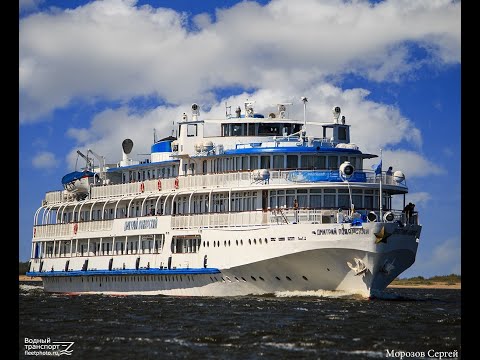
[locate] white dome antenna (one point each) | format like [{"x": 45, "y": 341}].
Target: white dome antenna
[
  {"x": 336, "y": 113},
  {"x": 195, "y": 111}
]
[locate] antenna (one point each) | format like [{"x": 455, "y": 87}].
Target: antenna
[
  {"x": 154, "y": 136},
  {"x": 228, "y": 111},
  {"x": 305, "y": 100}
]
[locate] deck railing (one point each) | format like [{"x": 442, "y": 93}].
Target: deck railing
[
  {"x": 228, "y": 180},
  {"x": 70, "y": 229}
]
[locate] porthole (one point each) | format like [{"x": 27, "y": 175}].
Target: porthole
[
  {"x": 214, "y": 244},
  {"x": 244, "y": 279},
  {"x": 241, "y": 242},
  {"x": 261, "y": 278},
  {"x": 228, "y": 242},
  {"x": 218, "y": 243},
  {"x": 266, "y": 241},
  {"x": 260, "y": 240},
  {"x": 255, "y": 241},
  {"x": 236, "y": 278},
  {"x": 237, "y": 242},
  {"x": 305, "y": 278},
  {"x": 225, "y": 243},
  {"x": 215, "y": 278},
  {"x": 253, "y": 278},
  {"x": 328, "y": 269},
  {"x": 276, "y": 277},
  {"x": 288, "y": 278},
  {"x": 249, "y": 241}
]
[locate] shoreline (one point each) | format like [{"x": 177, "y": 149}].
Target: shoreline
[
  {"x": 28, "y": 278},
  {"x": 457, "y": 286}
]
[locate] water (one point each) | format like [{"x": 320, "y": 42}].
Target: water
[{"x": 297, "y": 326}]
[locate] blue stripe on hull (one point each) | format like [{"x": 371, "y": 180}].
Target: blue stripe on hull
[{"x": 126, "y": 272}]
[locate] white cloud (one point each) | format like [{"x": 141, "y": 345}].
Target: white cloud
[
  {"x": 411, "y": 163},
  {"x": 80, "y": 135},
  {"x": 45, "y": 160},
  {"x": 444, "y": 259},
  {"x": 113, "y": 49},
  {"x": 28, "y": 5},
  {"x": 420, "y": 199}
]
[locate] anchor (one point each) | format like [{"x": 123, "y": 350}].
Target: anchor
[{"x": 360, "y": 267}]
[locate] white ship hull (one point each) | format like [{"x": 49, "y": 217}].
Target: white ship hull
[{"x": 315, "y": 258}]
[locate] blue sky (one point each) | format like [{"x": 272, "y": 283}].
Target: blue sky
[{"x": 94, "y": 73}]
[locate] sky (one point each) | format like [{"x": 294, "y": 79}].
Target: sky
[{"x": 92, "y": 73}]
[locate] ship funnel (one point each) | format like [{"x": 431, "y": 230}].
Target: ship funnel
[{"x": 127, "y": 146}]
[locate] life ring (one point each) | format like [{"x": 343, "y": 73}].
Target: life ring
[
  {"x": 142, "y": 187},
  {"x": 159, "y": 185},
  {"x": 75, "y": 228},
  {"x": 176, "y": 183}
]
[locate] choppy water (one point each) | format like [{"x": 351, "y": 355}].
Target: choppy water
[{"x": 286, "y": 326}]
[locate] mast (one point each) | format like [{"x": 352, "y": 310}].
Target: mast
[{"x": 380, "y": 197}]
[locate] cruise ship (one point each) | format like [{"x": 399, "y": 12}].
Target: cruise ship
[{"x": 262, "y": 207}]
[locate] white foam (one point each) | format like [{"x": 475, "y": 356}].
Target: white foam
[
  {"x": 319, "y": 293},
  {"x": 24, "y": 287}
]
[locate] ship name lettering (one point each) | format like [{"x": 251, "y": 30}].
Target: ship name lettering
[
  {"x": 326, "y": 231},
  {"x": 353, "y": 231},
  {"x": 140, "y": 224}
]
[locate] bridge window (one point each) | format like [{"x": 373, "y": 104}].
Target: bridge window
[{"x": 192, "y": 130}]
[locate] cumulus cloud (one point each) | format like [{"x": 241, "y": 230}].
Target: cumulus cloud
[
  {"x": 420, "y": 199},
  {"x": 28, "y": 5},
  {"x": 115, "y": 49},
  {"x": 45, "y": 160},
  {"x": 444, "y": 259},
  {"x": 411, "y": 163}
]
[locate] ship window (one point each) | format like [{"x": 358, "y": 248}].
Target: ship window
[
  {"x": 333, "y": 162},
  {"x": 342, "y": 133},
  {"x": 261, "y": 278},
  {"x": 192, "y": 130},
  {"x": 265, "y": 162},
  {"x": 253, "y": 162},
  {"x": 249, "y": 241},
  {"x": 292, "y": 161},
  {"x": 288, "y": 278},
  {"x": 253, "y": 278},
  {"x": 266, "y": 241},
  {"x": 278, "y": 162},
  {"x": 236, "y": 130},
  {"x": 251, "y": 129},
  {"x": 329, "y": 201}
]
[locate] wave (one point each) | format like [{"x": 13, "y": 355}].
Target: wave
[{"x": 322, "y": 294}]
